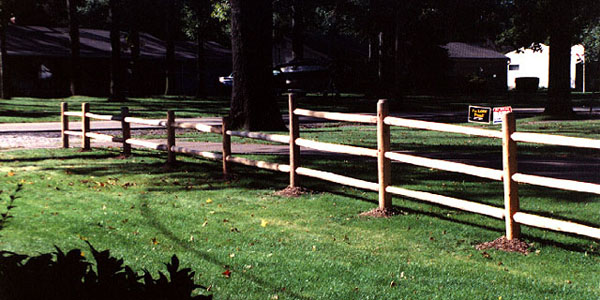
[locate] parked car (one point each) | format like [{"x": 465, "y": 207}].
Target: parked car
[
  {"x": 306, "y": 75},
  {"x": 299, "y": 76},
  {"x": 228, "y": 80}
]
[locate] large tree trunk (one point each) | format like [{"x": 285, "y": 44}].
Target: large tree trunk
[
  {"x": 253, "y": 106},
  {"x": 75, "y": 66},
  {"x": 202, "y": 8},
  {"x": 135, "y": 89},
  {"x": 297, "y": 30},
  {"x": 4, "y": 79},
  {"x": 170, "y": 51},
  {"x": 135, "y": 20},
  {"x": 116, "y": 80},
  {"x": 559, "y": 82}
]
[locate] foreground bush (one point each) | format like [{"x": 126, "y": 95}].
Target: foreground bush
[{"x": 60, "y": 275}]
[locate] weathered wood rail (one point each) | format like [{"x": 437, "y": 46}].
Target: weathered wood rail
[{"x": 509, "y": 174}]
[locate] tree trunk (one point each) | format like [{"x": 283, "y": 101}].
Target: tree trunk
[
  {"x": 135, "y": 80},
  {"x": 374, "y": 49},
  {"x": 170, "y": 51},
  {"x": 202, "y": 13},
  {"x": 116, "y": 80},
  {"x": 559, "y": 82},
  {"x": 297, "y": 30},
  {"x": 75, "y": 66},
  {"x": 4, "y": 78},
  {"x": 253, "y": 106}
]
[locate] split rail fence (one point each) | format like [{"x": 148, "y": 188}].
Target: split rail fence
[{"x": 509, "y": 175}]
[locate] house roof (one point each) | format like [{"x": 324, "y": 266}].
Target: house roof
[
  {"x": 95, "y": 43},
  {"x": 463, "y": 50}
]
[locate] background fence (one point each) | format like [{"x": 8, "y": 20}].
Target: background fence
[{"x": 509, "y": 174}]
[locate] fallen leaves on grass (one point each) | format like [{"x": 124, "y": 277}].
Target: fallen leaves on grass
[
  {"x": 263, "y": 223},
  {"x": 227, "y": 273}
]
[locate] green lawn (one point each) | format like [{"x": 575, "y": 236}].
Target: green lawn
[
  {"x": 312, "y": 247},
  {"x": 21, "y": 110}
]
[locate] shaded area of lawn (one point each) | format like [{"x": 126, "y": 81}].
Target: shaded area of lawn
[
  {"x": 19, "y": 110},
  {"x": 314, "y": 246}
]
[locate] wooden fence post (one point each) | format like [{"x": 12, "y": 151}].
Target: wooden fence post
[
  {"x": 294, "y": 128},
  {"x": 126, "y": 131},
  {"x": 170, "y": 137},
  {"x": 509, "y": 162},
  {"x": 384, "y": 172},
  {"x": 64, "y": 121},
  {"x": 226, "y": 146},
  {"x": 85, "y": 126}
]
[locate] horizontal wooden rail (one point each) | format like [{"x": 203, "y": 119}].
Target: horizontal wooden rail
[
  {"x": 259, "y": 164},
  {"x": 470, "y": 206},
  {"x": 103, "y": 117},
  {"x": 278, "y": 138},
  {"x": 557, "y": 225},
  {"x": 160, "y": 123},
  {"x": 561, "y": 184},
  {"x": 335, "y": 116},
  {"x": 147, "y": 144},
  {"x": 556, "y": 140},
  {"x": 205, "y": 154},
  {"x": 336, "y": 148},
  {"x": 73, "y": 132},
  {"x": 446, "y": 165},
  {"x": 510, "y": 213},
  {"x": 401, "y": 122},
  {"x": 343, "y": 180},
  {"x": 199, "y": 127},
  {"x": 104, "y": 137}
]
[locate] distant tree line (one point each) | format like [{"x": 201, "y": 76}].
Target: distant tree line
[{"x": 402, "y": 37}]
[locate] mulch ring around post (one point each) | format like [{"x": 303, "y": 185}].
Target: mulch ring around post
[
  {"x": 503, "y": 244},
  {"x": 293, "y": 192},
  {"x": 380, "y": 213}
]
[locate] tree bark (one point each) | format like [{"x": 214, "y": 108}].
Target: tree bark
[
  {"x": 170, "y": 51},
  {"x": 116, "y": 80},
  {"x": 75, "y": 66},
  {"x": 253, "y": 106},
  {"x": 4, "y": 78},
  {"x": 202, "y": 8},
  {"x": 297, "y": 30},
  {"x": 559, "y": 82},
  {"x": 135, "y": 81}
]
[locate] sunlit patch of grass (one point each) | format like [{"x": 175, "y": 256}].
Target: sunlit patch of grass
[{"x": 311, "y": 247}]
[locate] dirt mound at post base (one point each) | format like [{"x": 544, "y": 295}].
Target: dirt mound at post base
[{"x": 503, "y": 244}]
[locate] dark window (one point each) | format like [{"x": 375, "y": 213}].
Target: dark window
[{"x": 513, "y": 67}]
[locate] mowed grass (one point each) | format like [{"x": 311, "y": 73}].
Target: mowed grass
[
  {"x": 311, "y": 247},
  {"x": 23, "y": 110}
]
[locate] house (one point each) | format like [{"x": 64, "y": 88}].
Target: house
[
  {"x": 476, "y": 68},
  {"x": 39, "y": 58},
  {"x": 535, "y": 63}
]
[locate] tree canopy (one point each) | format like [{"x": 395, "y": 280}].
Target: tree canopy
[{"x": 403, "y": 37}]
